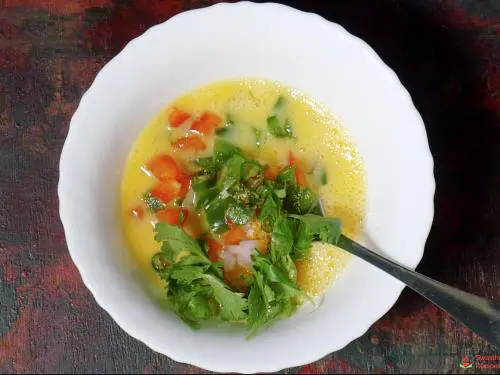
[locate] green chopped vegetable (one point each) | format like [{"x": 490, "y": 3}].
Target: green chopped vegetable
[
  {"x": 223, "y": 150},
  {"x": 231, "y": 172},
  {"x": 154, "y": 204},
  {"x": 278, "y": 123},
  {"x": 227, "y": 128},
  {"x": 239, "y": 214},
  {"x": 280, "y": 129},
  {"x": 301, "y": 201}
]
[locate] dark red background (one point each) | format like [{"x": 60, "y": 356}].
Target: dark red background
[{"x": 447, "y": 53}]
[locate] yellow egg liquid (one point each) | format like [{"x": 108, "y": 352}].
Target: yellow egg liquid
[{"x": 319, "y": 138}]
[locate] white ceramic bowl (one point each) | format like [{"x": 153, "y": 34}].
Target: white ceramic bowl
[{"x": 229, "y": 41}]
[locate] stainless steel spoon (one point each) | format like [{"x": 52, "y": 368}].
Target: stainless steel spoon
[{"x": 482, "y": 316}]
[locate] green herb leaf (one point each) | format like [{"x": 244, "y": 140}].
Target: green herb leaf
[
  {"x": 315, "y": 228},
  {"x": 175, "y": 240},
  {"x": 272, "y": 295},
  {"x": 232, "y": 306},
  {"x": 269, "y": 213},
  {"x": 301, "y": 201}
]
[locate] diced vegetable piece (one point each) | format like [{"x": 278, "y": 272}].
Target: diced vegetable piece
[
  {"x": 137, "y": 212},
  {"x": 234, "y": 236},
  {"x": 185, "y": 181},
  {"x": 191, "y": 141},
  {"x": 287, "y": 176},
  {"x": 177, "y": 117},
  {"x": 215, "y": 213},
  {"x": 223, "y": 150},
  {"x": 239, "y": 214},
  {"x": 163, "y": 167},
  {"x": 206, "y": 123},
  {"x": 166, "y": 190},
  {"x": 301, "y": 201},
  {"x": 214, "y": 249},
  {"x": 153, "y": 203},
  {"x": 173, "y": 216},
  {"x": 227, "y": 127},
  {"x": 160, "y": 262},
  {"x": 251, "y": 169},
  {"x": 300, "y": 174},
  {"x": 272, "y": 172}
]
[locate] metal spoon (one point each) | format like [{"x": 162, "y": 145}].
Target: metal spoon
[{"x": 480, "y": 315}]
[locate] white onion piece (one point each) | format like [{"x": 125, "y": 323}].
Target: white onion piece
[{"x": 239, "y": 254}]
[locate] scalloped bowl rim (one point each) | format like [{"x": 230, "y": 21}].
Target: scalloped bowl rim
[{"x": 66, "y": 184}]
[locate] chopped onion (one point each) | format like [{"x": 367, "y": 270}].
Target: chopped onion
[{"x": 240, "y": 254}]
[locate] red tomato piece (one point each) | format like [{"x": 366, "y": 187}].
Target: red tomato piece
[
  {"x": 214, "y": 249},
  {"x": 191, "y": 141},
  {"x": 163, "y": 167},
  {"x": 185, "y": 181},
  {"x": 166, "y": 190},
  {"x": 173, "y": 216},
  {"x": 234, "y": 236},
  {"x": 300, "y": 175},
  {"x": 206, "y": 123},
  {"x": 177, "y": 117},
  {"x": 272, "y": 172}
]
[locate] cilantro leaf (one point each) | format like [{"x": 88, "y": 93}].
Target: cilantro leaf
[
  {"x": 314, "y": 228},
  {"x": 272, "y": 295},
  {"x": 232, "y": 306},
  {"x": 269, "y": 213},
  {"x": 175, "y": 241}
]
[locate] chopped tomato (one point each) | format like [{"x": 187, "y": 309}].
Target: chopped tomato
[
  {"x": 177, "y": 117},
  {"x": 272, "y": 172},
  {"x": 206, "y": 123},
  {"x": 234, "y": 236},
  {"x": 229, "y": 223},
  {"x": 185, "y": 181},
  {"x": 137, "y": 212},
  {"x": 163, "y": 167},
  {"x": 237, "y": 278},
  {"x": 300, "y": 175},
  {"x": 173, "y": 216},
  {"x": 191, "y": 141},
  {"x": 166, "y": 190},
  {"x": 214, "y": 249}
]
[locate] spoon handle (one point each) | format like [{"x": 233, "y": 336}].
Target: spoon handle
[{"x": 480, "y": 315}]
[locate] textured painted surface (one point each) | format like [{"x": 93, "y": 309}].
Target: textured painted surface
[{"x": 447, "y": 53}]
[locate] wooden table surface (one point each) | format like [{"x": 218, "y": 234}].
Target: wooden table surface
[{"x": 447, "y": 54}]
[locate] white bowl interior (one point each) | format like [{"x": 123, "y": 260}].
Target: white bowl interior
[{"x": 225, "y": 42}]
